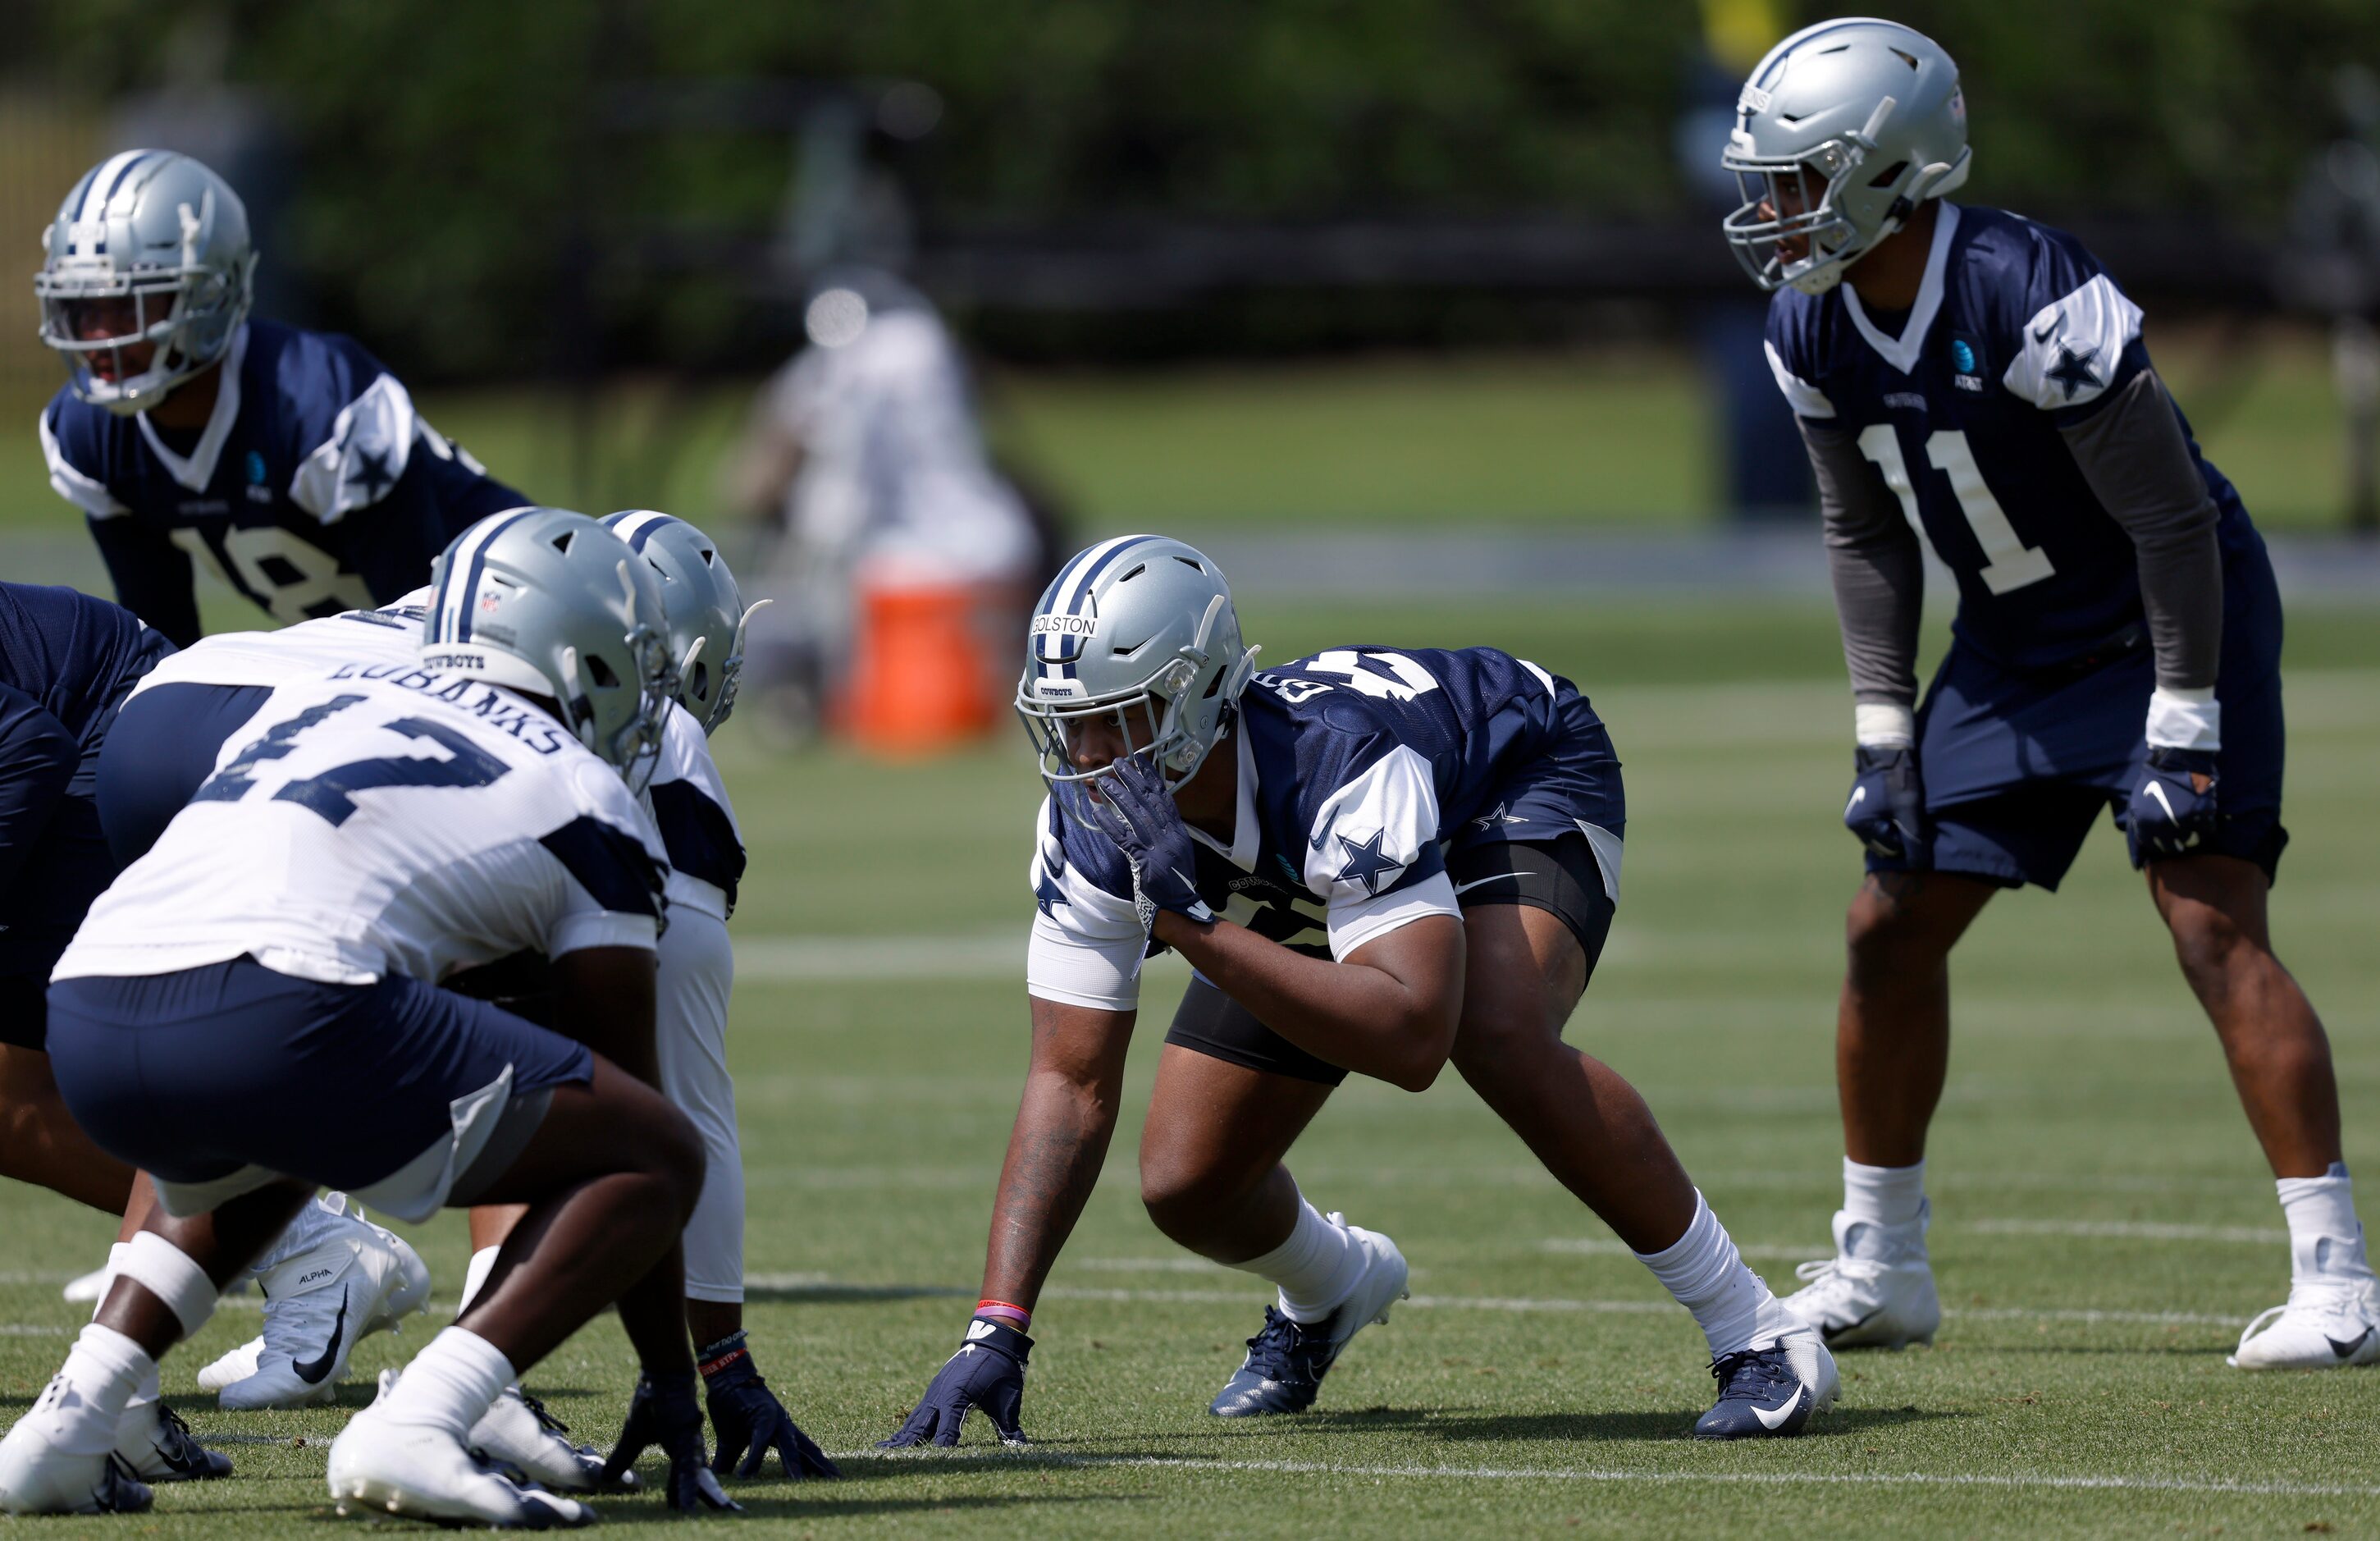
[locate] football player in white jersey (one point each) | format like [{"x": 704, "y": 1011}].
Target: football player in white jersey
[
  {"x": 363, "y": 838},
  {"x": 170, "y": 747}
]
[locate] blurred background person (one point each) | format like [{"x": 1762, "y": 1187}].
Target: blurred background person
[{"x": 906, "y": 555}]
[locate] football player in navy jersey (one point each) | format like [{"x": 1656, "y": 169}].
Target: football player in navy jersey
[
  {"x": 1378, "y": 860},
  {"x": 1970, "y": 376},
  {"x": 289, "y": 463}
]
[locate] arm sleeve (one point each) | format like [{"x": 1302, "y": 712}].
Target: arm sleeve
[
  {"x": 1878, "y": 568},
  {"x": 2132, "y": 453},
  {"x": 698, "y": 973},
  {"x": 151, "y": 576},
  {"x": 37, "y": 758}
]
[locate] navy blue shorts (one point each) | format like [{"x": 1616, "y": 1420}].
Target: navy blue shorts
[
  {"x": 2017, "y": 767},
  {"x": 1572, "y": 788},
  {"x": 161, "y": 746},
  {"x": 197, "y": 1075}
]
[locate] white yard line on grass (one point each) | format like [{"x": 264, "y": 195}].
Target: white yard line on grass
[
  {"x": 2141, "y": 1230},
  {"x": 1605, "y": 1474}
]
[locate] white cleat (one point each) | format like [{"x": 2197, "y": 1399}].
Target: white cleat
[
  {"x": 236, "y": 1365},
  {"x": 520, "y": 1433},
  {"x": 2331, "y": 1320},
  {"x": 1876, "y": 1292},
  {"x": 85, "y": 1289},
  {"x": 60, "y": 1459},
  {"x": 318, "y": 1305},
  {"x": 379, "y": 1467}
]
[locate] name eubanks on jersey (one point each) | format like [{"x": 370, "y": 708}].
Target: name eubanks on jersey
[{"x": 387, "y": 820}]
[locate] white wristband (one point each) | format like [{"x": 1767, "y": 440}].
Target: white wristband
[
  {"x": 2185, "y": 719},
  {"x": 1884, "y": 725}
]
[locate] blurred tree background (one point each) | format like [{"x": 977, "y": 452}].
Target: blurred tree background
[{"x": 489, "y": 188}]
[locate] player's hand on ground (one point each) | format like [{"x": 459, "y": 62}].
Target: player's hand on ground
[
  {"x": 988, "y": 1372},
  {"x": 1887, "y": 809},
  {"x": 2173, "y": 805},
  {"x": 1138, "y": 813},
  {"x": 751, "y": 1421},
  {"x": 664, "y": 1413}
]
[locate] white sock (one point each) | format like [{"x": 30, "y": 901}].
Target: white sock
[
  {"x": 105, "y": 1368},
  {"x": 475, "y": 1277},
  {"x": 2323, "y": 1206},
  {"x": 1884, "y": 1195},
  {"x": 1703, "y": 1269},
  {"x": 450, "y": 1385},
  {"x": 324, "y": 1218},
  {"x": 1315, "y": 1270}
]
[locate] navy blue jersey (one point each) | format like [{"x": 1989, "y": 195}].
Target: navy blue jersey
[
  {"x": 314, "y": 488},
  {"x": 66, "y": 663},
  {"x": 2017, "y": 332},
  {"x": 1357, "y": 769}
]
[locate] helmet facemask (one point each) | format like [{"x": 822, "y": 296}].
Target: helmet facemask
[
  {"x": 1174, "y": 718},
  {"x": 187, "y": 308}
]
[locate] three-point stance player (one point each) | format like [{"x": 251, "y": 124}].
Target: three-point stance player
[
  {"x": 2118, "y": 646},
  {"x": 362, "y": 837},
  {"x": 1378, "y": 861}
]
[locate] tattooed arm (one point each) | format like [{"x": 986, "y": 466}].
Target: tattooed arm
[{"x": 1058, "y": 1144}]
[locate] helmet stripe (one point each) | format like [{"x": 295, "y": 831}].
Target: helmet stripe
[
  {"x": 106, "y": 179},
  {"x": 453, "y": 603},
  {"x": 1100, "y": 565},
  {"x": 640, "y": 525},
  {"x": 1067, "y": 593}
]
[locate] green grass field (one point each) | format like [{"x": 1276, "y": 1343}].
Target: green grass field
[{"x": 2104, "y": 1225}]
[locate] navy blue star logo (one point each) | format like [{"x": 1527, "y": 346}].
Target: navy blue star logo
[
  {"x": 2074, "y": 371},
  {"x": 1366, "y": 862},
  {"x": 1046, "y": 894},
  {"x": 372, "y": 473}
]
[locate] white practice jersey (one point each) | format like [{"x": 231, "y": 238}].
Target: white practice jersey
[
  {"x": 308, "y": 650},
  {"x": 686, "y": 797},
  {"x": 386, "y": 820}
]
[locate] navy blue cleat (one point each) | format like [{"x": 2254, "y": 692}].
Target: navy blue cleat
[
  {"x": 1768, "y": 1393},
  {"x": 1288, "y": 1359}
]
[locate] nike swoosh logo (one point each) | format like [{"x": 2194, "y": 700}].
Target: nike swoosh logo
[
  {"x": 1491, "y": 878},
  {"x": 2347, "y": 1349},
  {"x": 2045, "y": 335},
  {"x": 1774, "y": 1418},
  {"x": 312, "y": 1371},
  {"x": 2156, "y": 790},
  {"x": 1830, "y": 1334},
  {"x": 1859, "y": 795}
]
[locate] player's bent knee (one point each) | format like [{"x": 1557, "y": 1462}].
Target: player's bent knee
[{"x": 677, "y": 1156}]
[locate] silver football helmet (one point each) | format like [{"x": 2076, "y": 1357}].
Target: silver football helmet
[
  {"x": 151, "y": 251},
  {"x": 1138, "y": 631},
  {"x": 706, "y": 610},
  {"x": 550, "y": 603},
  {"x": 1841, "y": 131}
]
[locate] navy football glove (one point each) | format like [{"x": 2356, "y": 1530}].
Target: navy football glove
[
  {"x": 1138, "y": 813},
  {"x": 987, "y": 1372},
  {"x": 2173, "y": 808},
  {"x": 747, "y": 1415},
  {"x": 662, "y": 1412},
  {"x": 1888, "y": 805}
]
